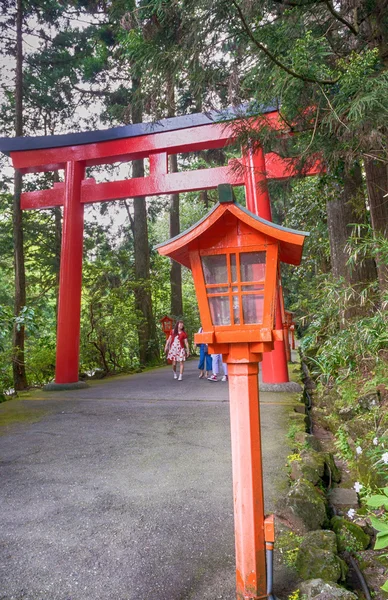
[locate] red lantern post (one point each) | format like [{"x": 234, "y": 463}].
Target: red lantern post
[
  {"x": 289, "y": 327},
  {"x": 234, "y": 257}
]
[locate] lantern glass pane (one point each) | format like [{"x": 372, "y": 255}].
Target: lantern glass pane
[
  {"x": 220, "y": 310},
  {"x": 236, "y": 310},
  {"x": 252, "y": 266},
  {"x": 252, "y": 305},
  {"x": 214, "y": 268},
  {"x": 233, "y": 268}
]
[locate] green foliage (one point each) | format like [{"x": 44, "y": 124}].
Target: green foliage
[
  {"x": 295, "y": 595},
  {"x": 288, "y": 544},
  {"x": 366, "y": 243},
  {"x": 380, "y": 523},
  {"x": 336, "y": 347},
  {"x": 377, "y": 501},
  {"x": 342, "y": 444}
]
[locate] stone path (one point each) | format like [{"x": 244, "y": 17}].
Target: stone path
[{"x": 123, "y": 491}]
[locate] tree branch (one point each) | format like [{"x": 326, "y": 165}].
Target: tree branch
[
  {"x": 92, "y": 92},
  {"x": 273, "y": 58},
  {"x": 337, "y": 15}
]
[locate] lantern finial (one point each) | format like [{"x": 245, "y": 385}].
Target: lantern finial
[{"x": 225, "y": 193}]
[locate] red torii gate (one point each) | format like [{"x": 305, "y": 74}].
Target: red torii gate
[{"x": 155, "y": 141}]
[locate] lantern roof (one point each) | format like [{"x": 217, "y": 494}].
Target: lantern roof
[
  {"x": 166, "y": 318},
  {"x": 290, "y": 240}
]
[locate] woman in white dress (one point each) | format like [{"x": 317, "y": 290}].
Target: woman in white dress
[{"x": 177, "y": 348}]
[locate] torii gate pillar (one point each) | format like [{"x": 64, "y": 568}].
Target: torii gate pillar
[
  {"x": 70, "y": 278},
  {"x": 274, "y": 364}
]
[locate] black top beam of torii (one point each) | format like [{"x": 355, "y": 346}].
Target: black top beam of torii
[
  {"x": 154, "y": 141},
  {"x": 25, "y": 143}
]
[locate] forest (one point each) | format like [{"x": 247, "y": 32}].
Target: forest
[{"x": 76, "y": 65}]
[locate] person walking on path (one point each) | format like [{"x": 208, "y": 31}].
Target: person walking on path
[
  {"x": 216, "y": 361},
  {"x": 177, "y": 348},
  {"x": 205, "y": 360}
]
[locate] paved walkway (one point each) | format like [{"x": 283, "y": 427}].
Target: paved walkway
[{"x": 123, "y": 491}]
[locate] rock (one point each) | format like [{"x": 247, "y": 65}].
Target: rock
[
  {"x": 308, "y": 440},
  {"x": 343, "y": 497},
  {"x": 347, "y": 413},
  {"x": 350, "y": 537},
  {"x": 312, "y": 465},
  {"x": 369, "y": 401},
  {"x": 298, "y": 419},
  {"x": 300, "y": 408},
  {"x": 296, "y": 470},
  {"x": 304, "y": 505},
  {"x": 324, "y": 539},
  {"x": 332, "y": 472},
  {"x": 355, "y": 428},
  {"x": 317, "y": 589},
  {"x": 318, "y": 558}
]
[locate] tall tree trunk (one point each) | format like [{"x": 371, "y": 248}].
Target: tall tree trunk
[
  {"x": 146, "y": 330},
  {"x": 203, "y": 196},
  {"x": 18, "y": 364},
  {"x": 377, "y": 184},
  {"x": 342, "y": 213},
  {"x": 176, "y": 269}
]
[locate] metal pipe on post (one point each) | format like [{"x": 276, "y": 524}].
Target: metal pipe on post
[{"x": 70, "y": 279}]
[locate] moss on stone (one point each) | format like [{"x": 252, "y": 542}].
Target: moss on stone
[
  {"x": 350, "y": 536},
  {"x": 318, "y": 589},
  {"x": 305, "y": 504},
  {"x": 357, "y": 427},
  {"x": 318, "y": 559},
  {"x": 322, "y": 538}
]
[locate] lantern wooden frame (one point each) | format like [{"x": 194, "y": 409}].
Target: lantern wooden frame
[
  {"x": 230, "y": 229},
  {"x": 242, "y": 331}
]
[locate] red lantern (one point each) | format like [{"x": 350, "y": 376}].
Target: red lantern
[{"x": 166, "y": 325}]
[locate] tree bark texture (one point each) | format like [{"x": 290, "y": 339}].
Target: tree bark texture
[
  {"x": 204, "y": 198},
  {"x": 148, "y": 344},
  {"x": 176, "y": 269},
  {"x": 18, "y": 337},
  {"x": 377, "y": 185},
  {"x": 342, "y": 213},
  {"x": 148, "y": 347}
]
